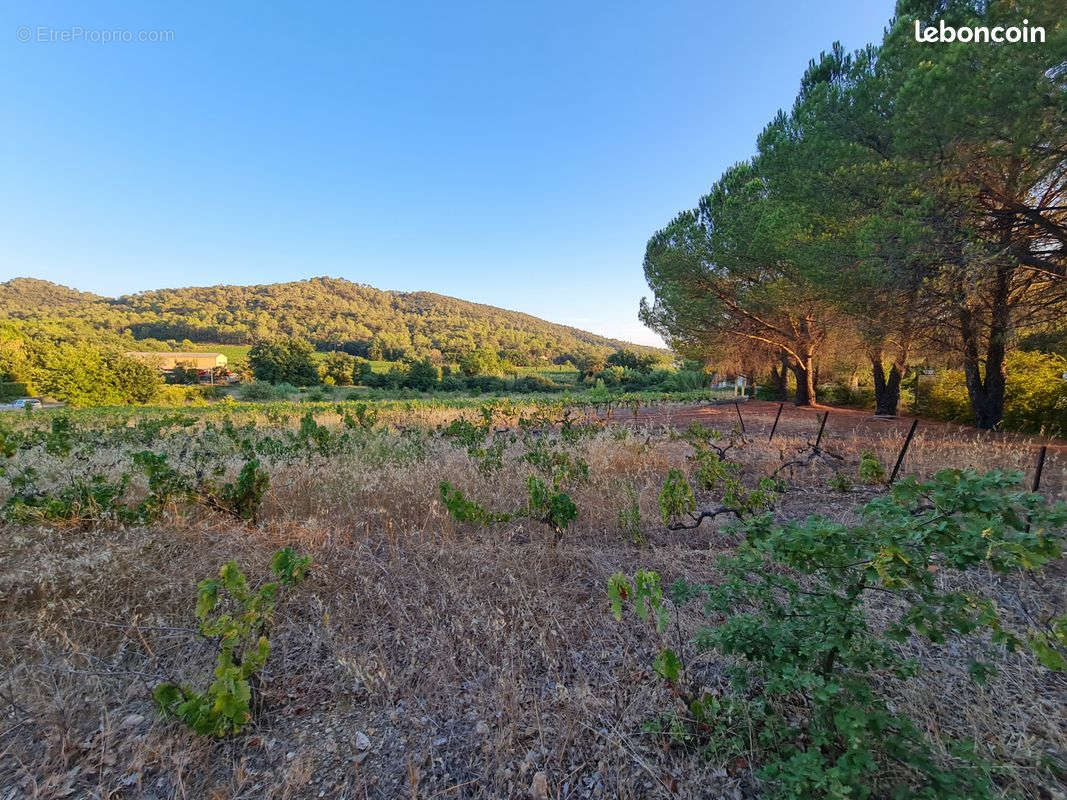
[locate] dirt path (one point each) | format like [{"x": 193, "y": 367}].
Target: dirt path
[
  {"x": 758, "y": 415},
  {"x": 937, "y": 444}
]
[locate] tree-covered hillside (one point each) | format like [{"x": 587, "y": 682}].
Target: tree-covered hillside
[{"x": 331, "y": 313}]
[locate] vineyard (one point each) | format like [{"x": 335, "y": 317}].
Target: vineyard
[{"x": 527, "y": 598}]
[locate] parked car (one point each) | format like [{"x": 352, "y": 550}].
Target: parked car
[{"x": 24, "y": 402}]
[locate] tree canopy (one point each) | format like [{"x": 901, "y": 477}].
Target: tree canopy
[
  {"x": 329, "y": 313},
  {"x": 913, "y": 202}
]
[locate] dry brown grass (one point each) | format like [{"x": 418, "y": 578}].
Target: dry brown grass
[{"x": 471, "y": 660}]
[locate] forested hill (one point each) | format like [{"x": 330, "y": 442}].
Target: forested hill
[{"x": 331, "y": 313}]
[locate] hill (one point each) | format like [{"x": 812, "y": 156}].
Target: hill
[{"x": 331, "y": 313}]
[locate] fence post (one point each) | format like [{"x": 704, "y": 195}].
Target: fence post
[
  {"x": 903, "y": 450},
  {"x": 774, "y": 427},
  {"x": 1040, "y": 468},
  {"x": 822, "y": 425},
  {"x": 740, "y": 419}
]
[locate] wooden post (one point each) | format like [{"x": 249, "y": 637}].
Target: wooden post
[
  {"x": 1040, "y": 468},
  {"x": 822, "y": 425},
  {"x": 903, "y": 450},
  {"x": 1037, "y": 475},
  {"x": 774, "y": 427},
  {"x": 740, "y": 419}
]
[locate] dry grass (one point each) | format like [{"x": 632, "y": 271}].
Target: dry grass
[{"x": 470, "y": 660}]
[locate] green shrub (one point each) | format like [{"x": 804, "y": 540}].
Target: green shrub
[
  {"x": 535, "y": 383},
  {"x": 1035, "y": 398},
  {"x": 452, "y": 383},
  {"x": 261, "y": 390},
  {"x": 85, "y": 502},
  {"x": 486, "y": 383},
  {"x": 546, "y": 504},
  {"x": 242, "y": 497},
  {"x": 165, "y": 485},
  {"x": 547, "y": 501},
  {"x": 789, "y": 610},
  {"x": 834, "y": 394},
  {"x": 676, "y": 498},
  {"x": 944, "y": 396},
  {"x": 464, "y": 510},
  {"x": 1035, "y": 395},
  {"x": 714, "y": 473},
  {"x": 841, "y": 482},
  {"x": 239, "y": 624},
  {"x": 12, "y": 391},
  {"x": 684, "y": 380},
  {"x": 550, "y": 506},
  {"x": 871, "y": 469}
]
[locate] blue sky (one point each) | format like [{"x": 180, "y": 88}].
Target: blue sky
[{"x": 517, "y": 154}]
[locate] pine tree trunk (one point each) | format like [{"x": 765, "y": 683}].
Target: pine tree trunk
[
  {"x": 780, "y": 378},
  {"x": 886, "y": 388},
  {"x": 985, "y": 387},
  {"x": 805, "y": 375}
]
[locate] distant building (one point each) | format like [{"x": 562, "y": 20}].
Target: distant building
[{"x": 168, "y": 361}]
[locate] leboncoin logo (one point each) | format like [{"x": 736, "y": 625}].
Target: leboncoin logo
[{"x": 1026, "y": 33}]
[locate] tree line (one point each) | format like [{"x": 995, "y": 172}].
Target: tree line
[
  {"x": 39, "y": 360},
  {"x": 911, "y": 206},
  {"x": 292, "y": 362},
  {"x": 330, "y": 313}
]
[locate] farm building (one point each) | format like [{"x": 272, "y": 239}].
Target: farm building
[{"x": 168, "y": 361}]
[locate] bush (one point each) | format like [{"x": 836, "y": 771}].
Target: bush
[
  {"x": 534, "y": 383},
  {"x": 834, "y": 394},
  {"x": 684, "y": 380},
  {"x": 241, "y": 498},
  {"x": 945, "y": 397},
  {"x": 453, "y": 383},
  {"x": 838, "y": 394},
  {"x": 1035, "y": 397},
  {"x": 226, "y": 705},
  {"x": 261, "y": 390},
  {"x": 871, "y": 469},
  {"x": 486, "y": 383},
  {"x": 1036, "y": 394},
  {"x": 12, "y": 391},
  {"x": 789, "y": 609}
]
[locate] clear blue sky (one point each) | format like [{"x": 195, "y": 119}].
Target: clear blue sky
[{"x": 517, "y": 154}]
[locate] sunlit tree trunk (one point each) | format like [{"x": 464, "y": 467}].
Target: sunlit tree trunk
[{"x": 804, "y": 371}]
